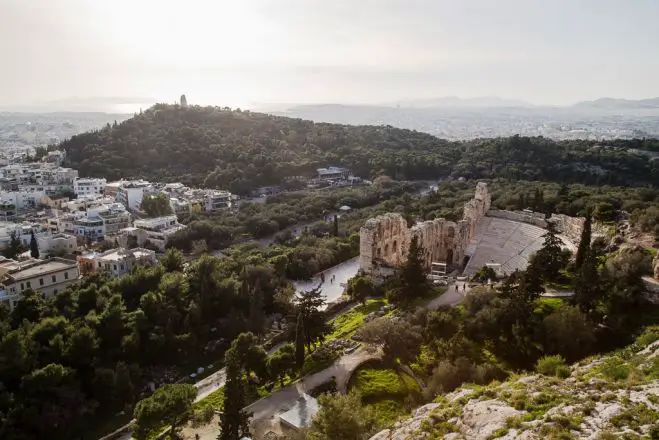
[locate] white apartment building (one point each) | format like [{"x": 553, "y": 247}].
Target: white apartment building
[
  {"x": 217, "y": 201},
  {"x": 86, "y": 186},
  {"x": 179, "y": 206},
  {"x": 114, "y": 219},
  {"x": 131, "y": 193},
  {"x": 48, "y": 176},
  {"x": 23, "y": 231},
  {"x": 50, "y": 244},
  {"x": 90, "y": 229},
  {"x": 45, "y": 276},
  {"x": 27, "y": 198},
  {"x": 116, "y": 262},
  {"x": 159, "y": 229},
  {"x": 91, "y": 202}
]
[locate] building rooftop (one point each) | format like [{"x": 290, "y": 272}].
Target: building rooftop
[
  {"x": 120, "y": 254},
  {"x": 300, "y": 415},
  {"x": 42, "y": 268}
]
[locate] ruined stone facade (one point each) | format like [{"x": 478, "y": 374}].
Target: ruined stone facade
[{"x": 385, "y": 240}]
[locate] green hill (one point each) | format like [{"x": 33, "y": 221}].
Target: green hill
[{"x": 219, "y": 147}]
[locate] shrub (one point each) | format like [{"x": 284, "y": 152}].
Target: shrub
[
  {"x": 649, "y": 335},
  {"x": 615, "y": 368},
  {"x": 202, "y": 416},
  {"x": 448, "y": 376},
  {"x": 563, "y": 371},
  {"x": 552, "y": 365}
]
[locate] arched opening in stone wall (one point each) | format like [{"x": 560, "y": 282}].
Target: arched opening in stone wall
[
  {"x": 450, "y": 233},
  {"x": 394, "y": 247},
  {"x": 386, "y": 250},
  {"x": 449, "y": 256},
  {"x": 378, "y": 253}
]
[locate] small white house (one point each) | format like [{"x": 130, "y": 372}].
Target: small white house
[{"x": 85, "y": 186}]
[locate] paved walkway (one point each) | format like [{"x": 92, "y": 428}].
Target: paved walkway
[{"x": 334, "y": 277}]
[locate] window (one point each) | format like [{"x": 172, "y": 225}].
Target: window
[
  {"x": 66, "y": 275},
  {"x": 115, "y": 267},
  {"x": 41, "y": 281},
  {"x": 28, "y": 285},
  {"x": 121, "y": 266},
  {"x": 54, "y": 278},
  {"x": 100, "y": 264},
  {"x": 22, "y": 286}
]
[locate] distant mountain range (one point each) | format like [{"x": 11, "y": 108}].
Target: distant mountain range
[
  {"x": 455, "y": 118},
  {"x": 619, "y": 104},
  {"x": 480, "y": 103}
]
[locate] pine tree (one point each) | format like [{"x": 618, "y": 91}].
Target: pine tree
[
  {"x": 34, "y": 247},
  {"x": 522, "y": 201},
  {"x": 14, "y": 248},
  {"x": 588, "y": 284},
  {"x": 549, "y": 257},
  {"x": 309, "y": 305},
  {"x": 299, "y": 342},
  {"x": 584, "y": 243},
  {"x": 413, "y": 275},
  {"x": 234, "y": 421}
]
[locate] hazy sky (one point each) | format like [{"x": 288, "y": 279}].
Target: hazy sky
[{"x": 237, "y": 52}]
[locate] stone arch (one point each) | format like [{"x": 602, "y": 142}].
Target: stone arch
[
  {"x": 394, "y": 247},
  {"x": 378, "y": 253},
  {"x": 386, "y": 250},
  {"x": 449, "y": 256}
]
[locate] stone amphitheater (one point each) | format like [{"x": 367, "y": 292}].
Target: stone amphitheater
[{"x": 506, "y": 239}]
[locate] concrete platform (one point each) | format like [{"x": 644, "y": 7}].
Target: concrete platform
[{"x": 505, "y": 242}]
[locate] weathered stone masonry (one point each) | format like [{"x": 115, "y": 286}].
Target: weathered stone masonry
[{"x": 385, "y": 240}]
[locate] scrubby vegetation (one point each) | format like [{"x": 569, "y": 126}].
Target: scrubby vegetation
[{"x": 239, "y": 151}]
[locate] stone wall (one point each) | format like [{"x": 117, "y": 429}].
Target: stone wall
[
  {"x": 385, "y": 240},
  {"x": 532, "y": 218},
  {"x": 570, "y": 227}
]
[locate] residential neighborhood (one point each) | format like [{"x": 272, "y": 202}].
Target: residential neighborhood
[{"x": 86, "y": 225}]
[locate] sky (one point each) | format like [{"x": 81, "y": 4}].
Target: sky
[{"x": 240, "y": 53}]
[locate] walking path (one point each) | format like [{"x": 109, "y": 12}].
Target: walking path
[{"x": 335, "y": 276}]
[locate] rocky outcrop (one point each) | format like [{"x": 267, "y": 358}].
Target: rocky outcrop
[
  {"x": 385, "y": 240},
  {"x": 590, "y": 404}
]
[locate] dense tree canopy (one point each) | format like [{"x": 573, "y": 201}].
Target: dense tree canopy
[{"x": 218, "y": 147}]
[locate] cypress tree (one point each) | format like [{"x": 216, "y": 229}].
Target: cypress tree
[
  {"x": 34, "y": 247},
  {"x": 234, "y": 421},
  {"x": 336, "y": 226},
  {"x": 549, "y": 257},
  {"x": 299, "y": 342},
  {"x": 588, "y": 285},
  {"x": 413, "y": 276},
  {"x": 584, "y": 243}
]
